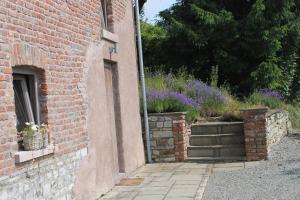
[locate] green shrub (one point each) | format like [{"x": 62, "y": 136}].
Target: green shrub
[
  {"x": 155, "y": 81},
  {"x": 294, "y": 114},
  {"x": 212, "y": 108},
  {"x": 260, "y": 99}
]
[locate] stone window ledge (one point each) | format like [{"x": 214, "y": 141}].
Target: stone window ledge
[
  {"x": 23, "y": 156},
  {"x": 109, "y": 36}
]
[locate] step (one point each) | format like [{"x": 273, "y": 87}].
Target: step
[
  {"x": 212, "y": 128},
  {"x": 216, "y": 139},
  {"x": 216, "y": 159},
  {"x": 216, "y": 151}
]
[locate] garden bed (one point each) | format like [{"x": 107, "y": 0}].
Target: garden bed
[{"x": 204, "y": 103}]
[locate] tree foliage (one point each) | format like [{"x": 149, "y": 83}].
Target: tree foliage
[
  {"x": 141, "y": 3},
  {"x": 254, "y": 43}
]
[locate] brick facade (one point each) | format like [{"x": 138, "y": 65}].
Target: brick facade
[
  {"x": 60, "y": 40},
  {"x": 169, "y": 137},
  {"x": 44, "y": 34}
]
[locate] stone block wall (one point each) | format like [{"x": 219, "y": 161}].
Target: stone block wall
[
  {"x": 278, "y": 126},
  {"x": 262, "y": 128},
  {"x": 43, "y": 179},
  {"x": 169, "y": 136}
]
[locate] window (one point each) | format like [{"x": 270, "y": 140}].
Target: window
[
  {"x": 104, "y": 13},
  {"x": 26, "y": 98},
  {"x": 106, "y": 20}
]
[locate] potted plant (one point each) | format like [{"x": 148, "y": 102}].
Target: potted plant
[{"x": 34, "y": 137}]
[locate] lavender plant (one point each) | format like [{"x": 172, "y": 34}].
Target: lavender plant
[
  {"x": 267, "y": 97},
  {"x": 271, "y": 93},
  {"x": 203, "y": 93},
  {"x": 170, "y": 101},
  {"x": 170, "y": 93}
]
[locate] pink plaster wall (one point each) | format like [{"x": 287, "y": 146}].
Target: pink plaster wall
[{"x": 96, "y": 175}]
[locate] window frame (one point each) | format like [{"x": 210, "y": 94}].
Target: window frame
[
  {"x": 20, "y": 74},
  {"x": 104, "y": 13}
]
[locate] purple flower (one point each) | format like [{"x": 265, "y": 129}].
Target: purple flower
[
  {"x": 183, "y": 99},
  {"x": 202, "y": 93},
  {"x": 154, "y": 95},
  {"x": 271, "y": 93}
]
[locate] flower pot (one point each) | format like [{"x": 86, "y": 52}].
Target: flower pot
[{"x": 33, "y": 142}]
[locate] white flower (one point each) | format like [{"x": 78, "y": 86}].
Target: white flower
[
  {"x": 31, "y": 123},
  {"x": 34, "y": 127},
  {"x": 27, "y": 123}
]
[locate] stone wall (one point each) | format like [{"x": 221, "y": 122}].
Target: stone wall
[
  {"x": 262, "y": 128},
  {"x": 169, "y": 137},
  {"x": 43, "y": 179},
  {"x": 278, "y": 126}
]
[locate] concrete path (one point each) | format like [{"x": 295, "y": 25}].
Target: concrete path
[
  {"x": 172, "y": 181},
  {"x": 169, "y": 181}
]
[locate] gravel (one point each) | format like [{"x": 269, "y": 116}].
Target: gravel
[{"x": 275, "y": 179}]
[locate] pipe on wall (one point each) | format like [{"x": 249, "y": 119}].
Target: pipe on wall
[{"x": 142, "y": 79}]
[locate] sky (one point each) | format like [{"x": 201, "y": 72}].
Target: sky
[{"x": 153, "y": 7}]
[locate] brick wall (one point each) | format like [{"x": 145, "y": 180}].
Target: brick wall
[
  {"x": 53, "y": 36},
  {"x": 262, "y": 128},
  {"x": 169, "y": 137}
]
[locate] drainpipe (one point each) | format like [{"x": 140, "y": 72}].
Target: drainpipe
[{"x": 142, "y": 77}]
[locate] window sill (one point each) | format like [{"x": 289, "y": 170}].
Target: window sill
[
  {"x": 109, "y": 36},
  {"x": 23, "y": 156}
]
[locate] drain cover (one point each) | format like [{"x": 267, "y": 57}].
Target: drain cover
[{"x": 130, "y": 182}]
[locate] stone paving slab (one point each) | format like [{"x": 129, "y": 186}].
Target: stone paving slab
[
  {"x": 172, "y": 181},
  {"x": 164, "y": 181}
]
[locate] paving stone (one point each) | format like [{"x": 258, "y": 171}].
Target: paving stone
[
  {"x": 149, "y": 197},
  {"x": 183, "y": 182},
  {"x": 229, "y": 165},
  {"x": 187, "y": 187},
  {"x": 194, "y": 166},
  {"x": 181, "y": 172},
  {"x": 253, "y": 164},
  {"x": 198, "y": 171},
  {"x": 153, "y": 190},
  {"x": 185, "y": 192},
  {"x": 161, "y": 183},
  {"x": 165, "y": 181},
  {"x": 187, "y": 177},
  {"x": 162, "y": 174},
  {"x": 179, "y": 198},
  {"x": 162, "y": 178}
]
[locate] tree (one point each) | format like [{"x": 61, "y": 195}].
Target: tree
[
  {"x": 255, "y": 43},
  {"x": 141, "y": 3}
]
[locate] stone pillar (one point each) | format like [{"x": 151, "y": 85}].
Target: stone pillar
[
  {"x": 169, "y": 136},
  {"x": 255, "y": 133}
]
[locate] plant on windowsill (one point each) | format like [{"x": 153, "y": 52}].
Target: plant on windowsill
[{"x": 35, "y": 137}]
